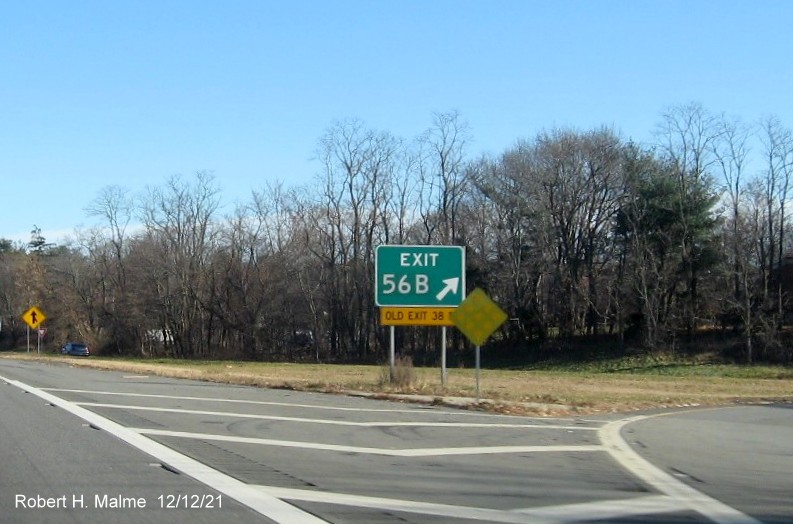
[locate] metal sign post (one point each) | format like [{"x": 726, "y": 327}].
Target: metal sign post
[
  {"x": 478, "y": 372},
  {"x": 391, "y": 358},
  {"x": 478, "y": 317},
  {"x": 443, "y": 357}
]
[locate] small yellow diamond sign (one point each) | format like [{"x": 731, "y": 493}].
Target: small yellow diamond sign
[
  {"x": 33, "y": 317},
  {"x": 478, "y": 317}
]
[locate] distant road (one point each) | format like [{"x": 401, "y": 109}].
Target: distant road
[{"x": 291, "y": 457}]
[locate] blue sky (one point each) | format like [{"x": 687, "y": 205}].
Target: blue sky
[{"x": 98, "y": 93}]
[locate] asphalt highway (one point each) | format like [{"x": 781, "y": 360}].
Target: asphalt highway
[{"x": 86, "y": 446}]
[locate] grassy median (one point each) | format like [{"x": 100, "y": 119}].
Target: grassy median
[{"x": 599, "y": 387}]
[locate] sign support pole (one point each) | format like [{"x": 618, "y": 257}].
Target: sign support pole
[
  {"x": 28, "y": 339},
  {"x": 391, "y": 358},
  {"x": 38, "y": 343},
  {"x": 443, "y": 357},
  {"x": 477, "y": 372}
]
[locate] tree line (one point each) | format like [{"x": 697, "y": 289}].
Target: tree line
[{"x": 576, "y": 234}]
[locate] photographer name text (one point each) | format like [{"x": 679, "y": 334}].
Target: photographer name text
[{"x": 118, "y": 501}]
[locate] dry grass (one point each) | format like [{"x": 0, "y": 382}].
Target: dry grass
[{"x": 536, "y": 392}]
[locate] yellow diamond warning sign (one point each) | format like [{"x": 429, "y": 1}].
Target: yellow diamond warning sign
[
  {"x": 33, "y": 317},
  {"x": 478, "y": 317}
]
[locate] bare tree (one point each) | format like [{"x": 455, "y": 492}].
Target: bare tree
[
  {"x": 578, "y": 192},
  {"x": 107, "y": 249},
  {"x": 441, "y": 177},
  {"x": 778, "y": 152},
  {"x": 12, "y": 303},
  {"x": 179, "y": 221},
  {"x": 349, "y": 220},
  {"x": 503, "y": 239},
  {"x": 731, "y": 151}
]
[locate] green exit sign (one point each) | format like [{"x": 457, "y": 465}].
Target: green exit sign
[{"x": 419, "y": 276}]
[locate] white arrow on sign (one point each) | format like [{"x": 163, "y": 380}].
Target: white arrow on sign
[{"x": 451, "y": 285}]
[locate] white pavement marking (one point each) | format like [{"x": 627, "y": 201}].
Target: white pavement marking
[
  {"x": 269, "y": 506},
  {"x": 259, "y": 402},
  {"x": 407, "y": 506},
  {"x": 684, "y": 494},
  {"x": 568, "y": 513},
  {"x": 676, "y": 496},
  {"x": 414, "y": 452},
  {"x": 414, "y": 411},
  {"x": 239, "y": 401},
  {"x": 607, "y": 509},
  {"x": 332, "y": 422}
]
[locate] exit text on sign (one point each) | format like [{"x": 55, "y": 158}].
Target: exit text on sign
[
  {"x": 419, "y": 276},
  {"x": 416, "y": 316}
]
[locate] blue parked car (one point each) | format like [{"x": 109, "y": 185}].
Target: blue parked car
[{"x": 75, "y": 348}]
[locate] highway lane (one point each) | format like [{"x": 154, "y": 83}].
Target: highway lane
[
  {"x": 743, "y": 454},
  {"x": 56, "y": 468},
  {"x": 351, "y": 460}
]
